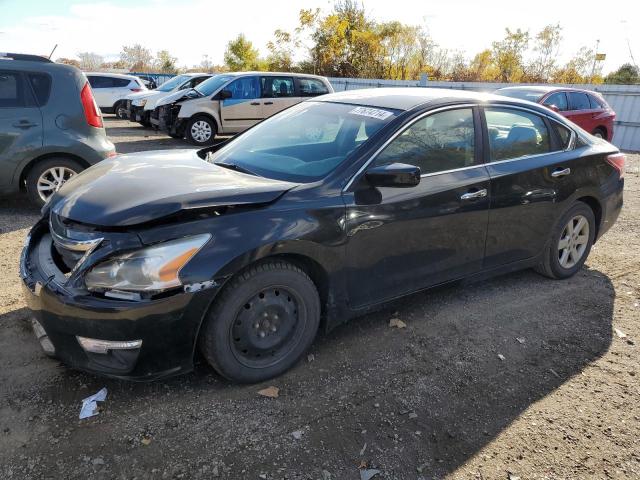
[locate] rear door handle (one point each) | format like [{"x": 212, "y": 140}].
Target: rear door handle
[
  {"x": 25, "y": 124},
  {"x": 255, "y": 103},
  {"x": 471, "y": 195},
  {"x": 560, "y": 172},
  {"x": 268, "y": 103}
]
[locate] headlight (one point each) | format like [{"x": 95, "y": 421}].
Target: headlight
[
  {"x": 150, "y": 269},
  {"x": 140, "y": 103}
]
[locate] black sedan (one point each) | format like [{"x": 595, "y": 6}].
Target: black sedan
[{"x": 246, "y": 249}]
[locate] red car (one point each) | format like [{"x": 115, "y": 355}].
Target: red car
[{"x": 585, "y": 108}]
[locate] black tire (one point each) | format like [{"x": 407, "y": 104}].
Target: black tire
[
  {"x": 120, "y": 110},
  {"x": 40, "y": 168},
  {"x": 248, "y": 346},
  {"x": 600, "y": 133},
  {"x": 211, "y": 125},
  {"x": 550, "y": 265}
]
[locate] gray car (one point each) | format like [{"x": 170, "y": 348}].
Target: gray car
[{"x": 50, "y": 126}]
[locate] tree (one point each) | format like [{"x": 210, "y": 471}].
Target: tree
[
  {"x": 627, "y": 74},
  {"x": 281, "y": 50},
  {"x": 507, "y": 55},
  {"x": 547, "y": 45},
  {"x": 165, "y": 62},
  {"x": 90, "y": 60},
  {"x": 206, "y": 64},
  {"x": 68, "y": 61},
  {"x": 241, "y": 55},
  {"x": 136, "y": 57},
  {"x": 577, "y": 69}
]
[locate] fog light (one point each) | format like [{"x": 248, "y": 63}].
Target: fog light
[{"x": 94, "y": 345}]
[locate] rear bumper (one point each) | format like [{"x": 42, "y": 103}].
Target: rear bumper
[
  {"x": 167, "y": 326},
  {"x": 612, "y": 201}
]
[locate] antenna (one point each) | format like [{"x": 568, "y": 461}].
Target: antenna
[{"x": 54, "y": 49}]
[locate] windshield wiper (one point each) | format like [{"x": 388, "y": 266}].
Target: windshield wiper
[{"x": 236, "y": 167}]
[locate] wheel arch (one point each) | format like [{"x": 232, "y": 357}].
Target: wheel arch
[
  {"x": 594, "y": 204},
  {"x": 32, "y": 163},
  {"x": 603, "y": 129}
]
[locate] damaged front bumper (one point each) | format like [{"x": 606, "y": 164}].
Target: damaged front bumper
[
  {"x": 139, "y": 340},
  {"x": 166, "y": 118}
]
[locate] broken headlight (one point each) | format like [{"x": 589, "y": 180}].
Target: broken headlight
[{"x": 151, "y": 269}]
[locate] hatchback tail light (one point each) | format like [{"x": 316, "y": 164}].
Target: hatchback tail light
[
  {"x": 135, "y": 89},
  {"x": 91, "y": 112},
  {"x": 617, "y": 161}
]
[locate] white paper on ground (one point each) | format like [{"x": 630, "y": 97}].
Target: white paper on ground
[{"x": 90, "y": 405}]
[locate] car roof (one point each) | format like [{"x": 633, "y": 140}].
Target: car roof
[
  {"x": 114, "y": 75},
  {"x": 274, "y": 74},
  {"x": 544, "y": 88},
  {"x": 407, "y": 98}
]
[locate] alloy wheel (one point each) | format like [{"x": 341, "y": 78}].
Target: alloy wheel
[
  {"x": 201, "y": 131},
  {"x": 573, "y": 241},
  {"x": 52, "y": 179}
]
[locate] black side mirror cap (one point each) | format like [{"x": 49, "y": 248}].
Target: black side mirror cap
[
  {"x": 222, "y": 95},
  {"x": 398, "y": 175}
]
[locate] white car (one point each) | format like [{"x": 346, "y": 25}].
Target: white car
[
  {"x": 140, "y": 105},
  {"x": 110, "y": 90}
]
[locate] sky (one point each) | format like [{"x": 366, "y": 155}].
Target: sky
[{"x": 190, "y": 29}]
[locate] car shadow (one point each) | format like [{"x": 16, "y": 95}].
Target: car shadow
[{"x": 472, "y": 359}]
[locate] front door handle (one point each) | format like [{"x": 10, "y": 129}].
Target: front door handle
[
  {"x": 268, "y": 103},
  {"x": 255, "y": 103},
  {"x": 476, "y": 194},
  {"x": 25, "y": 124},
  {"x": 560, "y": 172}
]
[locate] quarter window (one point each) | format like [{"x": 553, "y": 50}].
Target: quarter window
[
  {"x": 578, "y": 101},
  {"x": 11, "y": 90},
  {"x": 559, "y": 99},
  {"x": 244, "y": 88},
  {"x": 439, "y": 142},
  {"x": 41, "y": 84},
  {"x": 596, "y": 104},
  {"x": 311, "y": 87},
  {"x": 100, "y": 82},
  {"x": 515, "y": 133}
]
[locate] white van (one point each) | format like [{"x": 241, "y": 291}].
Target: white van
[{"x": 232, "y": 102}]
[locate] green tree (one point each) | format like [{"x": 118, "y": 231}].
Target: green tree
[
  {"x": 136, "y": 57},
  {"x": 577, "y": 69},
  {"x": 627, "y": 74},
  {"x": 165, "y": 62},
  {"x": 241, "y": 55},
  {"x": 547, "y": 45},
  {"x": 508, "y": 53}
]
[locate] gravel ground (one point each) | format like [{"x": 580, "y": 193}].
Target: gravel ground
[{"x": 518, "y": 376}]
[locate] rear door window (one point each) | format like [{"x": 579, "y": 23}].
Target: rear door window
[
  {"x": 12, "y": 92},
  {"x": 515, "y": 133},
  {"x": 578, "y": 101},
  {"x": 100, "y": 82},
  {"x": 244, "y": 88},
  {"x": 41, "y": 85},
  {"x": 311, "y": 87},
  {"x": 559, "y": 99},
  {"x": 277, "y": 87}
]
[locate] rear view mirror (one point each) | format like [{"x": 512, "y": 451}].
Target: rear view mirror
[
  {"x": 398, "y": 175},
  {"x": 223, "y": 94}
]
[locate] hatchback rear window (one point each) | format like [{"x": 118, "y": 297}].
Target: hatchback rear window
[{"x": 41, "y": 84}]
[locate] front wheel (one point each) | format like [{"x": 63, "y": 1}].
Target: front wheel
[
  {"x": 201, "y": 130},
  {"x": 48, "y": 176},
  {"x": 262, "y": 323},
  {"x": 570, "y": 243}
]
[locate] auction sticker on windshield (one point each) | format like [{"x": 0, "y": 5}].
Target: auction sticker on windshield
[{"x": 371, "y": 112}]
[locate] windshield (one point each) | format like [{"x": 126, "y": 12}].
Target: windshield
[
  {"x": 304, "y": 143},
  {"x": 531, "y": 95},
  {"x": 209, "y": 86},
  {"x": 173, "y": 83}
]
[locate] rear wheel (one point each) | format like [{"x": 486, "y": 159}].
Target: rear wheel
[
  {"x": 570, "y": 243},
  {"x": 201, "y": 130},
  {"x": 48, "y": 176},
  {"x": 262, "y": 323},
  {"x": 120, "y": 110}
]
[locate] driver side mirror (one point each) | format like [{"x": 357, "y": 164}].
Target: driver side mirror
[
  {"x": 223, "y": 95},
  {"x": 398, "y": 175}
]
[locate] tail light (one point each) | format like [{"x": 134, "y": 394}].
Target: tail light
[
  {"x": 617, "y": 160},
  {"x": 135, "y": 89},
  {"x": 91, "y": 112}
]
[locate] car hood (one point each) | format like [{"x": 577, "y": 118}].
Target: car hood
[
  {"x": 179, "y": 95},
  {"x": 138, "y": 188},
  {"x": 138, "y": 95}
]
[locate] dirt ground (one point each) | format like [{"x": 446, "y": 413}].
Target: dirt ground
[{"x": 518, "y": 376}]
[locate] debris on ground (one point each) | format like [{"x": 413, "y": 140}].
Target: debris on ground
[
  {"x": 297, "y": 434},
  {"x": 511, "y": 476},
  {"x": 271, "y": 392},
  {"x": 555, "y": 374},
  {"x": 620, "y": 333},
  {"x": 364, "y": 449},
  {"x": 501, "y": 357},
  {"x": 397, "y": 323},
  {"x": 311, "y": 357},
  {"x": 146, "y": 441},
  {"x": 520, "y": 340},
  {"x": 90, "y": 404},
  {"x": 413, "y": 415},
  {"x": 326, "y": 475},
  {"x": 369, "y": 473}
]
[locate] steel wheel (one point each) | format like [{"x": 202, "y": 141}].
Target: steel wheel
[
  {"x": 201, "y": 131},
  {"x": 573, "y": 241},
  {"x": 51, "y": 180},
  {"x": 267, "y": 327}
]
